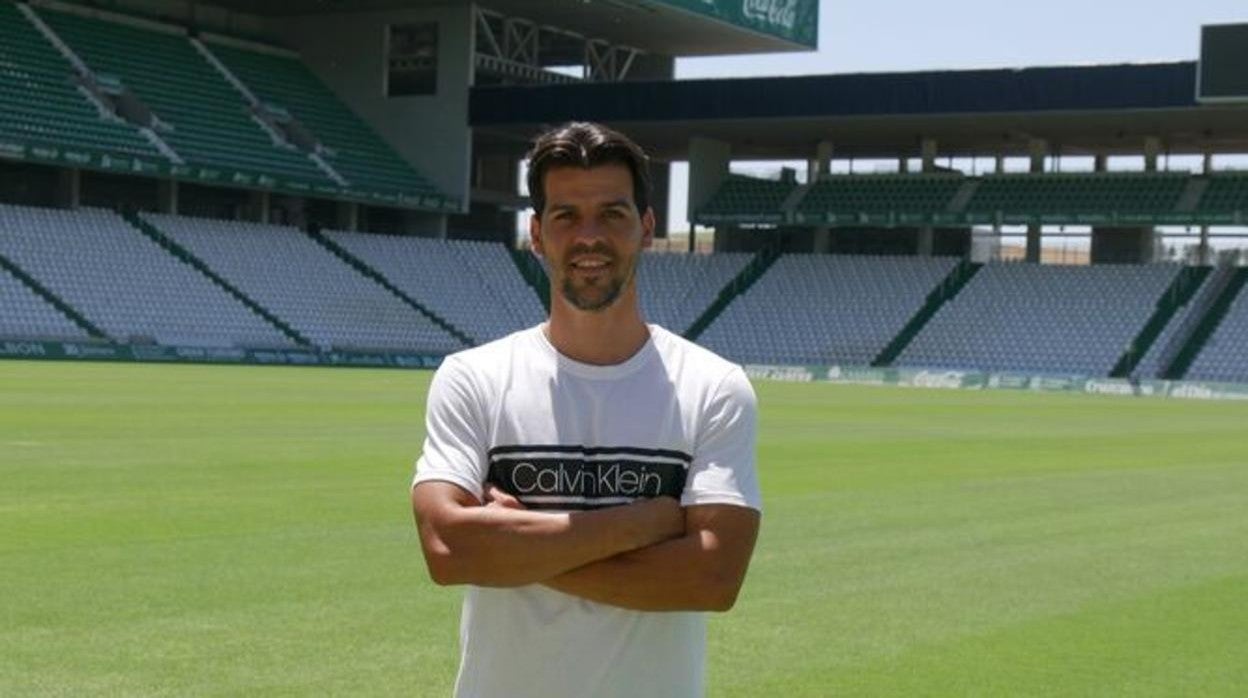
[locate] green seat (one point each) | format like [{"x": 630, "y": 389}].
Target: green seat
[
  {"x": 211, "y": 127},
  {"x": 358, "y": 153}
]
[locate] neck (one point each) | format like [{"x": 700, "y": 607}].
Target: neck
[{"x": 610, "y": 336}]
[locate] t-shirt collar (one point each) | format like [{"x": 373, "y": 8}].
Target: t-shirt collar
[{"x": 595, "y": 371}]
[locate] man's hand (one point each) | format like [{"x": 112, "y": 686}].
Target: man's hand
[
  {"x": 499, "y": 543},
  {"x": 496, "y": 497}
]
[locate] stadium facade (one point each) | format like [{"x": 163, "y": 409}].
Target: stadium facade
[{"x": 320, "y": 181}]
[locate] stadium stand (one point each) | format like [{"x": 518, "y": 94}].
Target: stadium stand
[
  {"x": 1169, "y": 342},
  {"x": 1043, "y": 318},
  {"x": 1226, "y": 195},
  {"x": 28, "y": 316},
  {"x": 305, "y": 285},
  {"x": 1061, "y": 197},
  {"x": 742, "y": 199},
  {"x": 825, "y": 309},
  {"x": 472, "y": 284},
  {"x": 1223, "y": 356},
  {"x": 42, "y": 106},
  {"x": 674, "y": 289},
  {"x": 206, "y": 120},
  {"x": 866, "y": 198},
  {"x": 355, "y": 150},
  {"x": 951, "y": 199},
  {"x": 124, "y": 283}
]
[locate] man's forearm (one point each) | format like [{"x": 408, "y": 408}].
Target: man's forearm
[
  {"x": 700, "y": 571},
  {"x": 496, "y": 546}
]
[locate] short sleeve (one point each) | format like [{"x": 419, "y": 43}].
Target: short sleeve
[
  {"x": 454, "y": 448},
  {"x": 723, "y": 470}
]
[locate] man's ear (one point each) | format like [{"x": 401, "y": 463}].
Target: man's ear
[
  {"x": 647, "y": 227},
  {"x": 535, "y": 234}
]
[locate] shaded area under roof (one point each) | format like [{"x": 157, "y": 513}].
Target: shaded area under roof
[{"x": 1107, "y": 108}]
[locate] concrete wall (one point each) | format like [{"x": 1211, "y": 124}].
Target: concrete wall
[
  {"x": 1123, "y": 245},
  {"x": 348, "y": 52},
  {"x": 708, "y": 166}
]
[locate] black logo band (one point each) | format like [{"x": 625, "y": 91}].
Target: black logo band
[{"x": 578, "y": 478}]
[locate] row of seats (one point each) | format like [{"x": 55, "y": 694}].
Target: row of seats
[
  {"x": 825, "y": 309},
  {"x": 355, "y": 150},
  {"x": 881, "y": 193},
  {"x": 1049, "y": 319},
  {"x": 28, "y": 316},
  {"x": 954, "y": 199},
  {"x": 124, "y": 283},
  {"x": 1063, "y": 193},
  {"x": 300, "y": 281},
  {"x": 473, "y": 285},
  {"x": 209, "y": 125},
  {"x": 41, "y": 104},
  {"x": 747, "y": 199},
  {"x": 806, "y": 309},
  {"x": 200, "y": 115},
  {"x": 1226, "y": 193},
  {"x": 1225, "y": 355},
  {"x": 674, "y": 289}
]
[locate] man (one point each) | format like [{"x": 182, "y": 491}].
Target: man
[{"x": 591, "y": 478}]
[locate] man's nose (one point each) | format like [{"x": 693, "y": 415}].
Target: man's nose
[{"x": 590, "y": 228}]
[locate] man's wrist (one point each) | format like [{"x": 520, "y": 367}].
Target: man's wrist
[{"x": 655, "y": 520}]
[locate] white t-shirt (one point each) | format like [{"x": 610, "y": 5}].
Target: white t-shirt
[{"x": 674, "y": 419}]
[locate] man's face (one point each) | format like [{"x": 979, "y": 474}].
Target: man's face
[{"x": 591, "y": 233}]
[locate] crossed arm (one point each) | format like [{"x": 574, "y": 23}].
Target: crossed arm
[{"x": 651, "y": 555}]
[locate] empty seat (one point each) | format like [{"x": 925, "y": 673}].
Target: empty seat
[
  {"x": 308, "y": 287},
  {"x": 124, "y": 283},
  {"x": 473, "y": 285},
  {"x": 1042, "y": 318},
  {"x": 825, "y": 309},
  {"x": 28, "y": 316}
]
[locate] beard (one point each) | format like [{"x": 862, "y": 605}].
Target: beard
[
  {"x": 596, "y": 294},
  {"x": 593, "y": 296}
]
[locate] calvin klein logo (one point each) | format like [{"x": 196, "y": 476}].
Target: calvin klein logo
[
  {"x": 576, "y": 477},
  {"x": 587, "y": 479}
]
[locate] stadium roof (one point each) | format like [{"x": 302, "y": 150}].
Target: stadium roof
[
  {"x": 657, "y": 26},
  {"x": 1093, "y": 109}
]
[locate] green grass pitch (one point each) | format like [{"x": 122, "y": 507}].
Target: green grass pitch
[{"x": 204, "y": 531}]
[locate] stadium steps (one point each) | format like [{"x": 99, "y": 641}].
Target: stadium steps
[
  {"x": 1180, "y": 291},
  {"x": 944, "y": 291},
  {"x": 751, "y": 272},
  {"x": 56, "y": 301},
  {"x": 963, "y": 196},
  {"x": 1236, "y": 279},
  {"x": 354, "y": 149},
  {"x": 198, "y": 264},
  {"x": 1192, "y": 194},
  {"x": 1175, "y": 335},
  {"x": 532, "y": 272},
  {"x": 359, "y": 265},
  {"x": 42, "y": 107},
  {"x": 794, "y": 199},
  {"x": 206, "y": 118}
]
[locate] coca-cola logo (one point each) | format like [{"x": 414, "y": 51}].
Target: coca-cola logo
[{"x": 782, "y": 13}]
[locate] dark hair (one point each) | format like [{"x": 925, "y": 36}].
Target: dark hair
[{"x": 585, "y": 144}]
